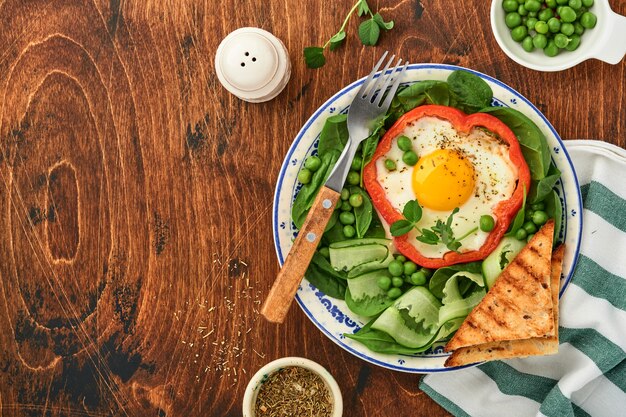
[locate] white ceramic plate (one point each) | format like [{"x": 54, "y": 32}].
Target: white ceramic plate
[{"x": 331, "y": 315}]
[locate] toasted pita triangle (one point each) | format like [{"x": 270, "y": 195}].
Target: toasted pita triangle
[
  {"x": 519, "y": 305},
  {"x": 518, "y": 348}
]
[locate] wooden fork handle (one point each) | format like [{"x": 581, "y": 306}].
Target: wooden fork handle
[{"x": 286, "y": 284}]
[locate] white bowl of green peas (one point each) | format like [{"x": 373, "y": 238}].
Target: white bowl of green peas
[{"x": 553, "y": 35}]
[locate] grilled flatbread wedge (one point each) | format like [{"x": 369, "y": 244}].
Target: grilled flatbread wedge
[
  {"x": 518, "y": 348},
  {"x": 519, "y": 305}
]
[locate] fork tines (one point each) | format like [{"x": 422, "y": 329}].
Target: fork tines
[{"x": 374, "y": 91}]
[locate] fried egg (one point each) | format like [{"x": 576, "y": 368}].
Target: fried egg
[{"x": 471, "y": 171}]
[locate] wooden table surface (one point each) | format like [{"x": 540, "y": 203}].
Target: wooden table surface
[{"x": 136, "y": 195}]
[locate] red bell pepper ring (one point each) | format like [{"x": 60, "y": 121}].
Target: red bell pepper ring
[{"x": 504, "y": 211}]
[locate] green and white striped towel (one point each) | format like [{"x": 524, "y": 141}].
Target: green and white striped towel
[{"x": 588, "y": 375}]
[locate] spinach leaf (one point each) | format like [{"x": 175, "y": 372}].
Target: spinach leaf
[
  {"x": 368, "y": 307},
  {"x": 329, "y": 283},
  {"x": 518, "y": 221},
  {"x": 334, "y": 234},
  {"x": 334, "y": 135},
  {"x": 554, "y": 209},
  {"x": 325, "y": 266},
  {"x": 533, "y": 143},
  {"x": 363, "y": 213},
  {"x": 539, "y": 189},
  {"x": 438, "y": 94},
  {"x": 471, "y": 93},
  {"x": 415, "y": 94},
  {"x": 442, "y": 275},
  {"x": 306, "y": 196},
  {"x": 376, "y": 228}
]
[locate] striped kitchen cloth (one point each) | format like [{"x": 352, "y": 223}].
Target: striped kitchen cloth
[{"x": 588, "y": 375}]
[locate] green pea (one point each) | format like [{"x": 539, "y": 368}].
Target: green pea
[
  {"x": 324, "y": 251},
  {"x": 574, "y": 42},
  {"x": 551, "y": 49},
  {"x": 409, "y": 158},
  {"x": 538, "y": 206},
  {"x": 487, "y": 223},
  {"x": 532, "y": 14},
  {"x": 527, "y": 44},
  {"x": 394, "y": 293},
  {"x": 521, "y": 1},
  {"x": 384, "y": 283},
  {"x": 409, "y": 267},
  {"x": 561, "y": 40},
  {"x": 588, "y": 20},
  {"x": 532, "y": 5},
  {"x": 304, "y": 176},
  {"x": 356, "y": 164},
  {"x": 345, "y": 206},
  {"x": 587, "y": 3},
  {"x": 540, "y": 41},
  {"x": 546, "y": 14},
  {"x": 575, "y": 4},
  {"x": 562, "y": 2},
  {"x": 401, "y": 258},
  {"x": 567, "y": 29},
  {"x": 528, "y": 215},
  {"x": 353, "y": 178},
  {"x": 356, "y": 200},
  {"x": 345, "y": 194},
  {"x": 349, "y": 231},
  {"x": 338, "y": 205},
  {"x": 559, "y": 9},
  {"x": 519, "y": 33},
  {"x": 529, "y": 237},
  {"x": 397, "y": 282},
  {"x": 530, "y": 227},
  {"x": 427, "y": 272},
  {"x": 404, "y": 143},
  {"x": 509, "y": 5},
  {"x": 390, "y": 165},
  {"x": 540, "y": 217},
  {"x": 347, "y": 217},
  {"x": 578, "y": 28},
  {"x": 551, "y": 4},
  {"x": 530, "y": 23},
  {"x": 313, "y": 163},
  {"x": 520, "y": 234},
  {"x": 542, "y": 28},
  {"x": 418, "y": 278},
  {"x": 521, "y": 10},
  {"x": 568, "y": 15},
  {"x": 513, "y": 20},
  {"x": 554, "y": 25},
  {"x": 395, "y": 268}
]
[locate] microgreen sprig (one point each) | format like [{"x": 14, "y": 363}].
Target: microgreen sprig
[
  {"x": 440, "y": 232},
  {"x": 369, "y": 32}
]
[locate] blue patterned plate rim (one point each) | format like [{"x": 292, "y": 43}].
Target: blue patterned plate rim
[{"x": 275, "y": 221}]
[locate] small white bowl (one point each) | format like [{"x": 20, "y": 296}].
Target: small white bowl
[
  {"x": 606, "y": 42},
  {"x": 249, "y": 398}
]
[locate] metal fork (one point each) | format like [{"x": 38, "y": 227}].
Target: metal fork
[{"x": 369, "y": 105}]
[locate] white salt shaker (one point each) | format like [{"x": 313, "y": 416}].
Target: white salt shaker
[{"x": 252, "y": 64}]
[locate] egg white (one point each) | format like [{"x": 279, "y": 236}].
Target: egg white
[{"x": 494, "y": 174}]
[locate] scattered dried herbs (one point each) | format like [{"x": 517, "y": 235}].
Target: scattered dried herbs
[{"x": 293, "y": 391}]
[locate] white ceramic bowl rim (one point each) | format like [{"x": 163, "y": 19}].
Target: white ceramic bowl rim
[
  {"x": 260, "y": 376},
  {"x": 576, "y": 207}
]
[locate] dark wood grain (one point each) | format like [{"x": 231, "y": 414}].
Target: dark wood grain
[{"x": 136, "y": 195}]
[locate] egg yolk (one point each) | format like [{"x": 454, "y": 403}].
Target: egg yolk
[{"x": 443, "y": 180}]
